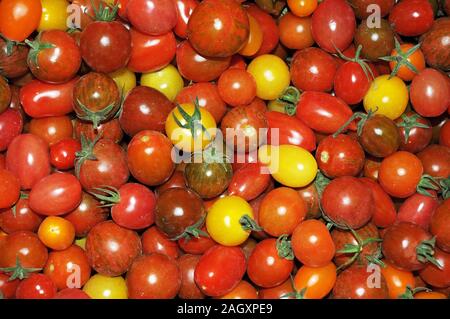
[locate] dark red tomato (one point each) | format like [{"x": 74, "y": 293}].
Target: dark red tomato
[
  {"x": 208, "y": 179},
  {"x": 9, "y": 189},
  {"x": 155, "y": 241},
  {"x": 418, "y": 209},
  {"x": 376, "y": 41},
  {"x": 86, "y": 9},
  {"x": 411, "y": 18},
  {"x": 323, "y": 112},
  {"x": 134, "y": 206},
  {"x": 236, "y": 87},
  {"x": 265, "y": 267},
  {"x": 154, "y": 276},
  {"x": 268, "y": 27},
  {"x": 208, "y": 97},
  {"x": 311, "y": 197},
  {"x": 436, "y": 160},
  {"x": 333, "y": 25},
  {"x": 384, "y": 213},
  {"x": 223, "y": 19},
  {"x": 109, "y": 167},
  {"x": 220, "y": 270},
  {"x": 111, "y": 249},
  {"x": 444, "y": 134},
  {"x": 5, "y": 94},
  {"x": 363, "y": 8},
  {"x": 188, "y": 289},
  {"x": 71, "y": 293},
  {"x": 11, "y": 125},
  {"x": 177, "y": 210},
  {"x": 144, "y": 108},
  {"x": 41, "y": 99},
  {"x": 196, "y": 245},
  {"x": 348, "y": 202},
  {"x": 245, "y": 124},
  {"x": 379, "y": 136},
  {"x": 295, "y": 32},
  {"x": 184, "y": 12},
  {"x": 37, "y": 286},
  {"x": 8, "y": 287},
  {"x": 13, "y": 60},
  {"x": 153, "y": 17},
  {"x": 55, "y": 195},
  {"x": 176, "y": 180},
  {"x": 415, "y": 131},
  {"x": 440, "y": 225},
  {"x": 51, "y": 129},
  {"x": 340, "y": 156},
  {"x": 249, "y": 181},
  {"x": 434, "y": 45},
  {"x": 313, "y": 69},
  {"x": 430, "y": 93},
  {"x": 149, "y": 158},
  {"x": 282, "y": 291},
  {"x": 352, "y": 283},
  {"x": 434, "y": 276},
  {"x": 109, "y": 130},
  {"x": 407, "y": 246},
  {"x": 151, "y": 52},
  {"x": 400, "y": 174},
  {"x": 28, "y": 158},
  {"x": 54, "y": 57},
  {"x": 198, "y": 68},
  {"x": 352, "y": 82},
  {"x": 105, "y": 45},
  {"x": 62, "y": 153},
  {"x": 19, "y": 217},
  {"x": 24, "y": 246},
  {"x": 68, "y": 268}
]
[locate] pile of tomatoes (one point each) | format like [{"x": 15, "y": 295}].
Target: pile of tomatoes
[{"x": 345, "y": 194}]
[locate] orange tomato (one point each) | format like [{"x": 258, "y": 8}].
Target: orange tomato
[
  {"x": 255, "y": 38},
  {"x": 430, "y": 295},
  {"x": 243, "y": 290},
  {"x": 302, "y": 8},
  {"x": 415, "y": 58},
  {"x": 397, "y": 280},
  {"x": 295, "y": 32},
  {"x": 56, "y": 233},
  {"x": 315, "y": 282},
  {"x": 19, "y": 18}
]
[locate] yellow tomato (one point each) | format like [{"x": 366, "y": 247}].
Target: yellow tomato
[
  {"x": 54, "y": 15},
  {"x": 168, "y": 81},
  {"x": 289, "y": 165},
  {"x": 102, "y": 287},
  {"x": 125, "y": 80},
  {"x": 229, "y": 220},
  {"x": 386, "y": 96},
  {"x": 190, "y": 127},
  {"x": 271, "y": 75}
]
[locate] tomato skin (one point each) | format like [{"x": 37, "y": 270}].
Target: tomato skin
[
  {"x": 376, "y": 41},
  {"x": 384, "y": 214},
  {"x": 103, "y": 287},
  {"x": 21, "y": 149},
  {"x": 430, "y": 295},
  {"x": 248, "y": 182},
  {"x": 41, "y": 99},
  {"x": 278, "y": 292},
  {"x": 188, "y": 289},
  {"x": 434, "y": 276},
  {"x": 243, "y": 290},
  {"x": 13, "y": 64},
  {"x": 51, "y": 129},
  {"x": 23, "y": 218},
  {"x": 444, "y": 134},
  {"x": 435, "y": 160},
  {"x": 351, "y": 83},
  {"x": 361, "y": 7},
  {"x": 291, "y": 130},
  {"x": 37, "y": 286},
  {"x": 9, "y": 189},
  {"x": 317, "y": 281},
  {"x": 418, "y": 209},
  {"x": 254, "y": 40},
  {"x": 185, "y": 8},
  {"x": 56, "y": 233},
  {"x": 440, "y": 225},
  {"x": 54, "y": 15},
  {"x": 11, "y": 125},
  {"x": 168, "y": 81},
  {"x": 8, "y": 287},
  {"x": 26, "y": 246},
  {"x": 71, "y": 293},
  {"x": 196, "y": 246},
  {"x": 220, "y": 270},
  {"x": 397, "y": 280},
  {"x": 416, "y": 59},
  {"x": 418, "y": 137},
  {"x": 295, "y": 32},
  {"x": 236, "y": 87},
  {"x": 155, "y": 241},
  {"x": 380, "y": 136},
  {"x": 62, "y": 153},
  {"x": 268, "y": 26},
  {"x": 412, "y": 17},
  {"x": 434, "y": 46},
  {"x": 19, "y": 19},
  {"x": 107, "y": 130},
  {"x": 153, "y": 17}
]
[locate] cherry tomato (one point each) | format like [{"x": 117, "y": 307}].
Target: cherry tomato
[
  {"x": 415, "y": 132},
  {"x": 153, "y": 17},
  {"x": 268, "y": 27},
  {"x": 440, "y": 225},
  {"x": 315, "y": 282},
  {"x": 412, "y": 17},
  {"x": 56, "y": 233},
  {"x": 19, "y": 18},
  {"x": 108, "y": 130},
  {"x": 236, "y": 87},
  {"x": 185, "y": 8},
  {"x": 103, "y": 287},
  {"x": 437, "y": 277},
  {"x": 54, "y": 15},
  {"x": 19, "y": 217},
  {"x": 302, "y": 8},
  {"x": 62, "y": 153},
  {"x": 384, "y": 213},
  {"x": 435, "y": 160},
  {"x": 11, "y": 125},
  {"x": 125, "y": 80},
  {"x": 248, "y": 181},
  {"x": 406, "y": 53},
  {"x": 167, "y": 81},
  {"x": 397, "y": 280},
  {"x": 155, "y": 241},
  {"x": 51, "y": 129},
  {"x": 37, "y": 286},
  {"x": 9, "y": 189},
  {"x": 243, "y": 290},
  {"x": 418, "y": 209},
  {"x": 376, "y": 40},
  {"x": 188, "y": 288},
  {"x": 254, "y": 40},
  {"x": 8, "y": 287}
]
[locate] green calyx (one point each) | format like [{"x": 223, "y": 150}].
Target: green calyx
[
  {"x": 36, "y": 47},
  {"x": 445, "y": 187},
  {"x": 284, "y": 247},
  {"x": 193, "y": 122},
  {"x": 296, "y": 294},
  {"x": 321, "y": 182},
  {"x": 401, "y": 58},
  {"x": 363, "y": 63},
  {"x": 95, "y": 117},
  {"x": 409, "y": 292},
  {"x": 425, "y": 252},
  {"x": 86, "y": 153},
  {"x": 290, "y": 98},
  {"x": 426, "y": 183},
  {"x": 363, "y": 117},
  {"x": 105, "y": 12},
  {"x": 108, "y": 195},
  {"x": 10, "y": 44},
  {"x": 410, "y": 122},
  {"x": 193, "y": 231},
  {"x": 249, "y": 223},
  {"x": 18, "y": 271}
]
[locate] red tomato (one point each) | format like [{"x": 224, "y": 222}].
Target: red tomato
[
  {"x": 440, "y": 225},
  {"x": 19, "y": 217},
  {"x": 184, "y": 10},
  {"x": 236, "y": 87},
  {"x": 188, "y": 289},
  {"x": 418, "y": 209},
  {"x": 268, "y": 27},
  {"x": 19, "y": 18},
  {"x": 197, "y": 246},
  {"x": 62, "y": 153},
  {"x": 444, "y": 135},
  {"x": 8, "y": 287},
  {"x": 9, "y": 189},
  {"x": 37, "y": 286},
  {"x": 11, "y": 125},
  {"x": 411, "y": 17},
  {"x": 384, "y": 213},
  {"x": 153, "y": 17},
  {"x": 295, "y": 32},
  {"x": 435, "y": 160},
  {"x": 155, "y": 241},
  {"x": 249, "y": 181},
  {"x": 51, "y": 129}
]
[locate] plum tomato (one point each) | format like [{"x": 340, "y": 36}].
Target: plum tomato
[
  {"x": 411, "y": 17},
  {"x": 397, "y": 280},
  {"x": 384, "y": 213},
  {"x": 51, "y": 129},
  {"x": 418, "y": 209},
  {"x": 19, "y": 18},
  {"x": 248, "y": 181}
]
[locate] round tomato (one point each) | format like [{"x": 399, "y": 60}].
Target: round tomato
[
  {"x": 315, "y": 282},
  {"x": 19, "y": 18},
  {"x": 236, "y": 87},
  {"x": 125, "y": 80},
  {"x": 54, "y": 15},
  {"x": 56, "y": 233},
  {"x": 63, "y": 153},
  {"x": 103, "y": 287},
  {"x": 167, "y": 81},
  {"x": 153, "y": 17},
  {"x": 155, "y": 241},
  {"x": 37, "y": 286},
  {"x": 51, "y": 129},
  {"x": 398, "y": 281}
]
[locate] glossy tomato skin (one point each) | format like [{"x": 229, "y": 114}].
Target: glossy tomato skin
[
  {"x": 8, "y": 287},
  {"x": 10, "y": 189},
  {"x": 41, "y": 99},
  {"x": 384, "y": 213},
  {"x": 295, "y": 32},
  {"x": 436, "y": 160},
  {"x": 248, "y": 181},
  {"x": 412, "y": 17},
  {"x": 19, "y": 18},
  {"x": 208, "y": 179},
  {"x": 165, "y": 274},
  {"x": 62, "y": 153},
  {"x": 418, "y": 137},
  {"x": 185, "y": 8},
  {"x": 313, "y": 69},
  {"x": 380, "y": 136},
  {"x": 107, "y": 130},
  {"x": 351, "y": 83},
  {"x": 37, "y": 286},
  {"x": 376, "y": 41},
  {"x": 434, "y": 46},
  {"x": 348, "y": 202},
  {"x": 23, "y": 218},
  {"x": 311, "y": 197},
  {"x": 434, "y": 276},
  {"x": 268, "y": 26},
  {"x": 146, "y": 165},
  {"x": 111, "y": 249},
  {"x": 440, "y": 225},
  {"x": 220, "y": 270},
  {"x": 333, "y": 25},
  {"x": 11, "y": 125},
  {"x": 233, "y": 32},
  {"x": 340, "y": 156},
  {"x": 5, "y": 95},
  {"x": 315, "y": 282},
  {"x": 444, "y": 136},
  {"x": 188, "y": 288},
  {"x": 23, "y": 148},
  {"x": 281, "y": 291},
  {"x": 196, "y": 246},
  {"x": 361, "y": 7},
  {"x": 13, "y": 64},
  {"x": 51, "y": 129},
  {"x": 418, "y": 209},
  {"x": 155, "y": 241},
  {"x": 236, "y": 87},
  {"x": 153, "y": 17},
  {"x": 176, "y": 180},
  {"x": 25, "y": 246}
]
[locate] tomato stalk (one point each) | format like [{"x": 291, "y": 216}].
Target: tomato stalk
[
  {"x": 111, "y": 198},
  {"x": 105, "y": 12},
  {"x": 428, "y": 182},
  {"x": 22, "y": 196},
  {"x": 193, "y": 231},
  {"x": 10, "y": 44},
  {"x": 18, "y": 271},
  {"x": 409, "y": 292},
  {"x": 193, "y": 122},
  {"x": 410, "y": 122},
  {"x": 249, "y": 223},
  {"x": 290, "y": 98},
  {"x": 36, "y": 47},
  {"x": 86, "y": 153},
  {"x": 95, "y": 117},
  {"x": 357, "y": 59},
  {"x": 401, "y": 58},
  {"x": 284, "y": 247},
  {"x": 363, "y": 117},
  {"x": 425, "y": 252}
]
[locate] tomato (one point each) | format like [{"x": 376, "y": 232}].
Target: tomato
[
  {"x": 434, "y": 46},
  {"x": 19, "y": 217},
  {"x": 56, "y": 233},
  {"x": 71, "y": 293},
  {"x": 9, "y": 189},
  {"x": 167, "y": 81},
  {"x": 155, "y": 241},
  {"x": 376, "y": 41},
  {"x": 27, "y": 157},
  {"x": 248, "y": 181},
  {"x": 108, "y": 130},
  {"x": 219, "y": 270},
  {"x": 268, "y": 27},
  {"x": 415, "y": 132},
  {"x": 37, "y": 286},
  {"x": 282, "y": 291},
  {"x": 125, "y": 80},
  {"x": 302, "y": 8},
  {"x": 400, "y": 173},
  {"x": 11, "y": 125},
  {"x": 68, "y": 268},
  {"x": 437, "y": 277},
  {"x": 406, "y": 61},
  {"x": 153, "y": 17},
  {"x": 254, "y": 40},
  {"x": 430, "y": 295},
  {"x": 13, "y": 59},
  {"x": 154, "y": 276},
  {"x": 144, "y": 109},
  {"x": 384, "y": 213},
  {"x": 435, "y": 160},
  {"x": 397, "y": 280},
  {"x": 444, "y": 136},
  {"x": 176, "y": 180},
  {"x": 439, "y": 225},
  {"x": 315, "y": 282},
  {"x": 418, "y": 209},
  {"x": 412, "y": 17},
  {"x": 62, "y": 153},
  {"x": 271, "y": 75},
  {"x": 151, "y": 53},
  {"x": 185, "y": 8},
  {"x": 379, "y": 136},
  {"x": 8, "y": 287},
  {"x": 363, "y": 10},
  {"x": 387, "y": 96},
  {"x": 196, "y": 245},
  {"x": 348, "y": 202},
  {"x": 19, "y": 18},
  {"x": 430, "y": 93},
  {"x": 333, "y": 25},
  {"x": 54, "y": 15},
  {"x": 236, "y": 87},
  {"x": 41, "y": 99},
  {"x": 289, "y": 165},
  {"x": 5, "y": 95},
  {"x": 51, "y": 129},
  {"x": 188, "y": 288},
  {"x": 310, "y": 196},
  {"x": 111, "y": 249},
  {"x": 103, "y": 287},
  {"x": 243, "y": 290}
]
